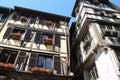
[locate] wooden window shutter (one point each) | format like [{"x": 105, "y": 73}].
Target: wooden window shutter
[
  {"x": 57, "y": 25},
  {"x": 7, "y": 33},
  {"x": 37, "y": 37},
  {"x": 57, "y": 40},
  {"x": 21, "y": 58},
  {"x": 42, "y": 22},
  {"x": 27, "y": 35},
  {"x": 57, "y": 64},
  {"x": 33, "y": 59}
]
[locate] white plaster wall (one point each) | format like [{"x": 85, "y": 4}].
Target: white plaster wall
[{"x": 105, "y": 67}]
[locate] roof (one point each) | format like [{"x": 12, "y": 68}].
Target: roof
[
  {"x": 41, "y": 13},
  {"x": 76, "y": 4},
  {"x": 4, "y": 9}
]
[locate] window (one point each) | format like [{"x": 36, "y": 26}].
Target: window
[
  {"x": 87, "y": 41},
  {"x": 92, "y": 73},
  {"x": 44, "y": 61},
  {"x": 16, "y": 34},
  {"x": 117, "y": 28},
  {"x": 47, "y": 39},
  {"x": 2, "y": 18},
  {"x": 102, "y": 27},
  {"x": 8, "y": 56},
  {"x": 111, "y": 28}
]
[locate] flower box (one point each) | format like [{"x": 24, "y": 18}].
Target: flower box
[
  {"x": 77, "y": 24},
  {"x": 15, "y": 36},
  {"x": 102, "y": 13},
  {"x": 48, "y": 22},
  {"x": 95, "y": 2},
  {"x": 114, "y": 15},
  {"x": 8, "y": 66},
  {"x": 86, "y": 43},
  {"x": 23, "y": 19},
  {"x": 48, "y": 41},
  {"x": 114, "y": 33},
  {"x": 76, "y": 9},
  {"x": 107, "y": 32},
  {"x": 42, "y": 70}
]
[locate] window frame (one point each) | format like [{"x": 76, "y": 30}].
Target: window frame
[
  {"x": 8, "y": 55},
  {"x": 45, "y": 61},
  {"x": 92, "y": 72}
]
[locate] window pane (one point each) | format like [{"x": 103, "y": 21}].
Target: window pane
[
  {"x": 41, "y": 61},
  {"x": 12, "y": 57},
  {"x": 48, "y": 63},
  {"x": 4, "y": 57},
  {"x": 109, "y": 26},
  {"x": 92, "y": 72},
  {"x": 43, "y": 37}
]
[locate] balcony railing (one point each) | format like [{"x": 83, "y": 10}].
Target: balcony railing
[{"x": 22, "y": 75}]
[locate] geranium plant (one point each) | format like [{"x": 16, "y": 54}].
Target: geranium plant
[
  {"x": 7, "y": 65},
  {"x": 41, "y": 70}
]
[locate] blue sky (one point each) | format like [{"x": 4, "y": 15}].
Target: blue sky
[{"x": 61, "y": 7}]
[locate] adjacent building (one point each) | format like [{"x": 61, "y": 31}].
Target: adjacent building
[
  {"x": 95, "y": 40},
  {"x": 34, "y": 45}
]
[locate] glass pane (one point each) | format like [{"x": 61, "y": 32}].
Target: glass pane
[
  {"x": 4, "y": 57},
  {"x": 109, "y": 26},
  {"x": 12, "y": 57},
  {"x": 40, "y": 61},
  {"x": 43, "y": 37},
  {"x": 48, "y": 63}
]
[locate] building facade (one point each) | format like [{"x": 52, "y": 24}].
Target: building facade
[
  {"x": 95, "y": 40},
  {"x": 34, "y": 45}
]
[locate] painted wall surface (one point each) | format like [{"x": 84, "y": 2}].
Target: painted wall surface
[{"x": 105, "y": 67}]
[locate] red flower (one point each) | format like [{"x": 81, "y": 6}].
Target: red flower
[
  {"x": 42, "y": 70},
  {"x": 2, "y": 64}
]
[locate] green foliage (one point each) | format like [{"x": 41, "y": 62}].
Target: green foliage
[
  {"x": 77, "y": 24},
  {"x": 86, "y": 43}
]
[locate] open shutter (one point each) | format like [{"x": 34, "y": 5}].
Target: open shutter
[
  {"x": 27, "y": 35},
  {"x": 7, "y": 33},
  {"x": 37, "y": 37},
  {"x": 21, "y": 58},
  {"x": 57, "y": 64},
  {"x": 42, "y": 22},
  {"x": 57, "y": 25},
  {"x": 33, "y": 59},
  {"x": 57, "y": 40}
]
